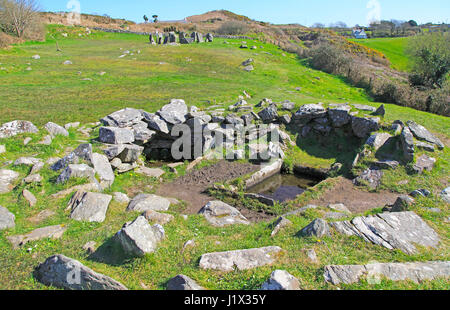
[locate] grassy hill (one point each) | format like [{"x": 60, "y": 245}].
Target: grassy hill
[
  {"x": 392, "y": 48},
  {"x": 204, "y": 75}
]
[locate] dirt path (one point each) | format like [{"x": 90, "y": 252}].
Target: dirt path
[
  {"x": 354, "y": 198},
  {"x": 191, "y": 187}
]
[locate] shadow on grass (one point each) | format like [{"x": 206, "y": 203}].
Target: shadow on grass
[{"x": 111, "y": 253}]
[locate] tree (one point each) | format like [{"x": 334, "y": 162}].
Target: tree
[
  {"x": 145, "y": 19},
  {"x": 413, "y": 23},
  {"x": 155, "y": 18},
  {"x": 17, "y": 16},
  {"x": 430, "y": 55}
]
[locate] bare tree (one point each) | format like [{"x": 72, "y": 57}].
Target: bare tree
[{"x": 17, "y": 15}]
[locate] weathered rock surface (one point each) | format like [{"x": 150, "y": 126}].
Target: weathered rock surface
[
  {"x": 150, "y": 172},
  {"x": 281, "y": 280},
  {"x": 29, "y": 197},
  {"x": 89, "y": 207},
  {"x": 54, "y": 232},
  {"x": 6, "y": 219},
  {"x": 156, "y": 123},
  {"x": 279, "y": 224},
  {"x": 103, "y": 168},
  {"x": 76, "y": 171},
  {"x": 309, "y": 112},
  {"x": 221, "y": 214},
  {"x": 340, "y": 116},
  {"x": 130, "y": 153},
  {"x": 407, "y": 141},
  {"x": 55, "y": 129},
  {"x": 66, "y": 273},
  {"x": 240, "y": 259},
  {"x": 175, "y": 112},
  {"x": 363, "y": 126},
  {"x": 183, "y": 283},
  {"x": 7, "y": 177},
  {"x": 402, "y": 203},
  {"x": 144, "y": 202},
  {"x": 392, "y": 230},
  {"x": 17, "y": 127},
  {"x": 157, "y": 217},
  {"x": 138, "y": 238},
  {"x": 317, "y": 228},
  {"x": 423, "y": 134},
  {"x": 123, "y": 118},
  {"x": 115, "y": 135},
  {"x": 445, "y": 195},
  {"x": 377, "y": 140},
  {"x": 424, "y": 162},
  {"x": 371, "y": 177},
  {"x": 82, "y": 152},
  {"x": 121, "y": 197},
  {"x": 417, "y": 272},
  {"x": 269, "y": 114}
]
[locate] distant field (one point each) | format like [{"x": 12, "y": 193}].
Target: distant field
[{"x": 392, "y": 48}]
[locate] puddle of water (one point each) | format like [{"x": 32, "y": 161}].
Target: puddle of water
[{"x": 283, "y": 187}]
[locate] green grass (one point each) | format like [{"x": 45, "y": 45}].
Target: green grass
[
  {"x": 392, "y": 48},
  {"x": 53, "y": 92}
]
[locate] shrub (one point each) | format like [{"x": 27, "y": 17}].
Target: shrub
[
  {"x": 18, "y": 16},
  {"x": 233, "y": 28}
]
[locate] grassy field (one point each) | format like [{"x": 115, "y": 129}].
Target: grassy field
[
  {"x": 392, "y": 48},
  {"x": 203, "y": 75}
]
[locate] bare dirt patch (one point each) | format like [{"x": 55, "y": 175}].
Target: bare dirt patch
[
  {"x": 356, "y": 199},
  {"x": 191, "y": 187}
]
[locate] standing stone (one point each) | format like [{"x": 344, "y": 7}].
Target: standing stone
[
  {"x": 6, "y": 219},
  {"x": 55, "y": 129},
  {"x": 183, "y": 283},
  {"x": 66, "y": 273},
  {"x": 221, "y": 214},
  {"x": 317, "y": 228},
  {"x": 89, "y": 207},
  {"x": 144, "y": 202},
  {"x": 138, "y": 238},
  {"x": 381, "y": 111},
  {"x": 239, "y": 259},
  {"x": 407, "y": 141},
  {"x": 114, "y": 135},
  {"x": 281, "y": 280},
  {"x": 14, "y": 128},
  {"x": 209, "y": 37}
]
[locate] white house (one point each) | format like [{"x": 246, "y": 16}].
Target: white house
[{"x": 359, "y": 34}]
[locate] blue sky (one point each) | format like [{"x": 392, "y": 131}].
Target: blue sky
[{"x": 305, "y": 12}]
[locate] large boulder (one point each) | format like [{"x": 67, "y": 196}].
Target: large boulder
[
  {"x": 7, "y": 177},
  {"x": 144, "y": 202},
  {"x": 269, "y": 114},
  {"x": 363, "y": 126},
  {"x": 6, "y": 219},
  {"x": 183, "y": 283},
  {"x": 76, "y": 171},
  {"x": 138, "y": 238},
  {"x": 115, "y": 135},
  {"x": 156, "y": 123},
  {"x": 239, "y": 259},
  {"x": 82, "y": 152},
  {"x": 175, "y": 112},
  {"x": 221, "y": 214},
  {"x": 422, "y": 133},
  {"x": 66, "y": 273},
  {"x": 281, "y": 280},
  {"x": 339, "y": 116},
  {"x": 55, "y": 129},
  {"x": 308, "y": 112},
  {"x": 123, "y": 118},
  {"x": 89, "y": 207},
  {"x": 130, "y": 153},
  {"x": 318, "y": 228},
  {"x": 14, "y": 128}
]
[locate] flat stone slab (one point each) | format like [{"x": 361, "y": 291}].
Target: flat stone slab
[
  {"x": 89, "y": 207},
  {"x": 66, "y": 273},
  {"x": 423, "y": 134},
  {"x": 6, "y": 178},
  {"x": 6, "y": 219},
  {"x": 76, "y": 171},
  {"x": 417, "y": 272},
  {"x": 399, "y": 230},
  {"x": 145, "y": 202},
  {"x": 239, "y": 259},
  {"x": 220, "y": 214},
  {"x": 123, "y": 118},
  {"x": 281, "y": 280},
  {"x": 150, "y": 172},
  {"x": 54, "y": 232}
]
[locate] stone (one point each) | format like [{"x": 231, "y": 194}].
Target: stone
[
  {"x": 247, "y": 62},
  {"x": 142, "y": 133},
  {"x": 138, "y": 238},
  {"x": 269, "y": 114},
  {"x": 339, "y": 116},
  {"x": 89, "y": 247},
  {"x": 7, "y": 219},
  {"x": 340, "y": 207},
  {"x": 220, "y": 214},
  {"x": 402, "y": 203},
  {"x": 36, "y": 57},
  {"x": 424, "y": 146},
  {"x": 157, "y": 217},
  {"x": 371, "y": 177},
  {"x": 377, "y": 140},
  {"x": 83, "y": 152},
  {"x": 249, "y": 68},
  {"x": 279, "y": 224},
  {"x": 14, "y": 128},
  {"x": 54, "y": 232},
  {"x": 123, "y": 118},
  {"x": 41, "y": 216},
  {"x": 62, "y": 272},
  {"x": 121, "y": 197},
  {"x": 308, "y": 112},
  {"x": 183, "y": 283},
  {"x": 407, "y": 141},
  {"x": 103, "y": 168},
  {"x": 124, "y": 167},
  {"x": 175, "y": 112},
  {"x": 47, "y": 140},
  {"x": 423, "y": 134},
  {"x": 76, "y": 171},
  {"x": 288, "y": 106},
  {"x": 130, "y": 153},
  {"x": 72, "y": 125},
  {"x": 312, "y": 256},
  {"x": 372, "y": 273},
  {"x": 55, "y": 129},
  {"x": 285, "y": 119},
  {"x": 397, "y": 230},
  {"x": 424, "y": 162},
  {"x": 26, "y": 141},
  {"x": 381, "y": 111},
  {"x": 89, "y": 207},
  {"x": 156, "y": 123},
  {"x": 239, "y": 259},
  {"x": 26, "y": 161},
  {"x": 151, "y": 172},
  {"x": 318, "y": 228},
  {"x": 363, "y": 107},
  {"x": 445, "y": 195},
  {"x": 37, "y": 167},
  {"x": 281, "y": 280},
  {"x": 386, "y": 164},
  {"x": 363, "y": 126},
  {"x": 67, "y": 62},
  {"x": 29, "y": 197},
  {"x": 144, "y": 202},
  {"x": 209, "y": 37},
  {"x": 7, "y": 177},
  {"x": 420, "y": 193},
  {"x": 115, "y": 135}
]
